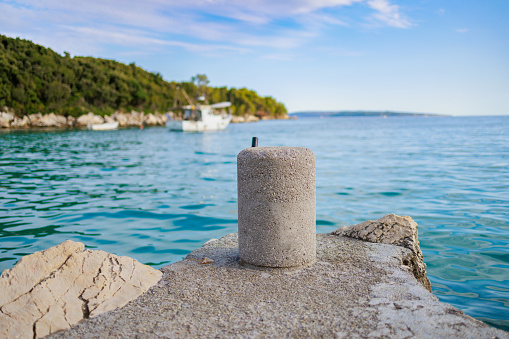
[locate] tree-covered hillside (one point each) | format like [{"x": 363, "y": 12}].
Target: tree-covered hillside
[{"x": 35, "y": 79}]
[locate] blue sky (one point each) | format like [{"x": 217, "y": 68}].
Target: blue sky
[{"x": 448, "y": 57}]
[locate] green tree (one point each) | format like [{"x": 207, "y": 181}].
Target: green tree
[
  {"x": 36, "y": 79},
  {"x": 201, "y": 82}
]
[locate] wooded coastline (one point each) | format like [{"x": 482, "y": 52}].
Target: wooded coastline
[{"x": 36, "y": 80}]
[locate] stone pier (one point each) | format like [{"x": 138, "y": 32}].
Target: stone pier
[{"x": 356, "y": 289}]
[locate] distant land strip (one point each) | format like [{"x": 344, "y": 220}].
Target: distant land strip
[{"x": 330, "y": 114}]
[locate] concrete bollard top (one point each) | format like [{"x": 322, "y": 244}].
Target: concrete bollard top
[{"x": 279, "y": 173}]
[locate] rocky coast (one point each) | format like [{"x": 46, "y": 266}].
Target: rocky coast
[
  {"x": 38, "y": 120},
  {"x": 130, "y": 119},
  {"x": 369, "y": 281}
]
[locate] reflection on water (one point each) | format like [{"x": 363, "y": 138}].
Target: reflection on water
[{"x": 156, "y": 195}]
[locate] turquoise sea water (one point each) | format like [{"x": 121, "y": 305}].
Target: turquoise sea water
[{"x": 156, "y": 195}]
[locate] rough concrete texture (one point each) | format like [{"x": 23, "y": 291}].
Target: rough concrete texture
[
  {"x": 277, "y": 206},
  {"x": 395, "y": 230},
  {"x": 355, "y": 289},
  {"x": 54, "y": 289}
]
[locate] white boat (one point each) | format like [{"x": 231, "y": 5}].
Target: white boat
[
  {"x": 202, "y": 118},
  {"x": 103, "y": 127}
]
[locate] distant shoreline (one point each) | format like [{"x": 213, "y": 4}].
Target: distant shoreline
[{"x": 317, "y": 114}]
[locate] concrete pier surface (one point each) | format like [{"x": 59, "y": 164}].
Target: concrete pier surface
[{"x": 355, "y": 289}]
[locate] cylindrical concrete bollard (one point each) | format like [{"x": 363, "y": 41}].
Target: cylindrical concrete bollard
[{"x": 277, "y": 206}]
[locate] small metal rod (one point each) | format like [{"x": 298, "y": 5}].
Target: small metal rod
[{"x": 255, "y": 142}]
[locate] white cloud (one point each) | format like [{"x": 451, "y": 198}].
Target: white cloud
[
  {"x": 388, "y": 14},
  {"x": 462, "y": 30},
  {"x": 129, "y": 37},
  {"x": 226, "y": 25}
]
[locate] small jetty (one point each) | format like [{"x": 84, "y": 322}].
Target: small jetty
[{"x": 355, "y": 289}]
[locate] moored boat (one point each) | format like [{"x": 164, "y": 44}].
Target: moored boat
[
  {"x": 103, "y": 127},
  {"x": 198, "y": 117},
  {"x": 202, "y": 118}
]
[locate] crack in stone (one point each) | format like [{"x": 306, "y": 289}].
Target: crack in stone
[
  {"x": 132, "y": 271},
  {"x": 52, "y": 275},
  {"x": 126, "y": 281},
  {"x": 34, "y": 332},
  {"x": 120, "y": 270},
  {"x": 112, "y": 266},
  {"x": 84, "y": 306},
  {"x": 56, "y": 302},
  {"x": 34, "y": 325},
  {"x": 95, "y": 279}
]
